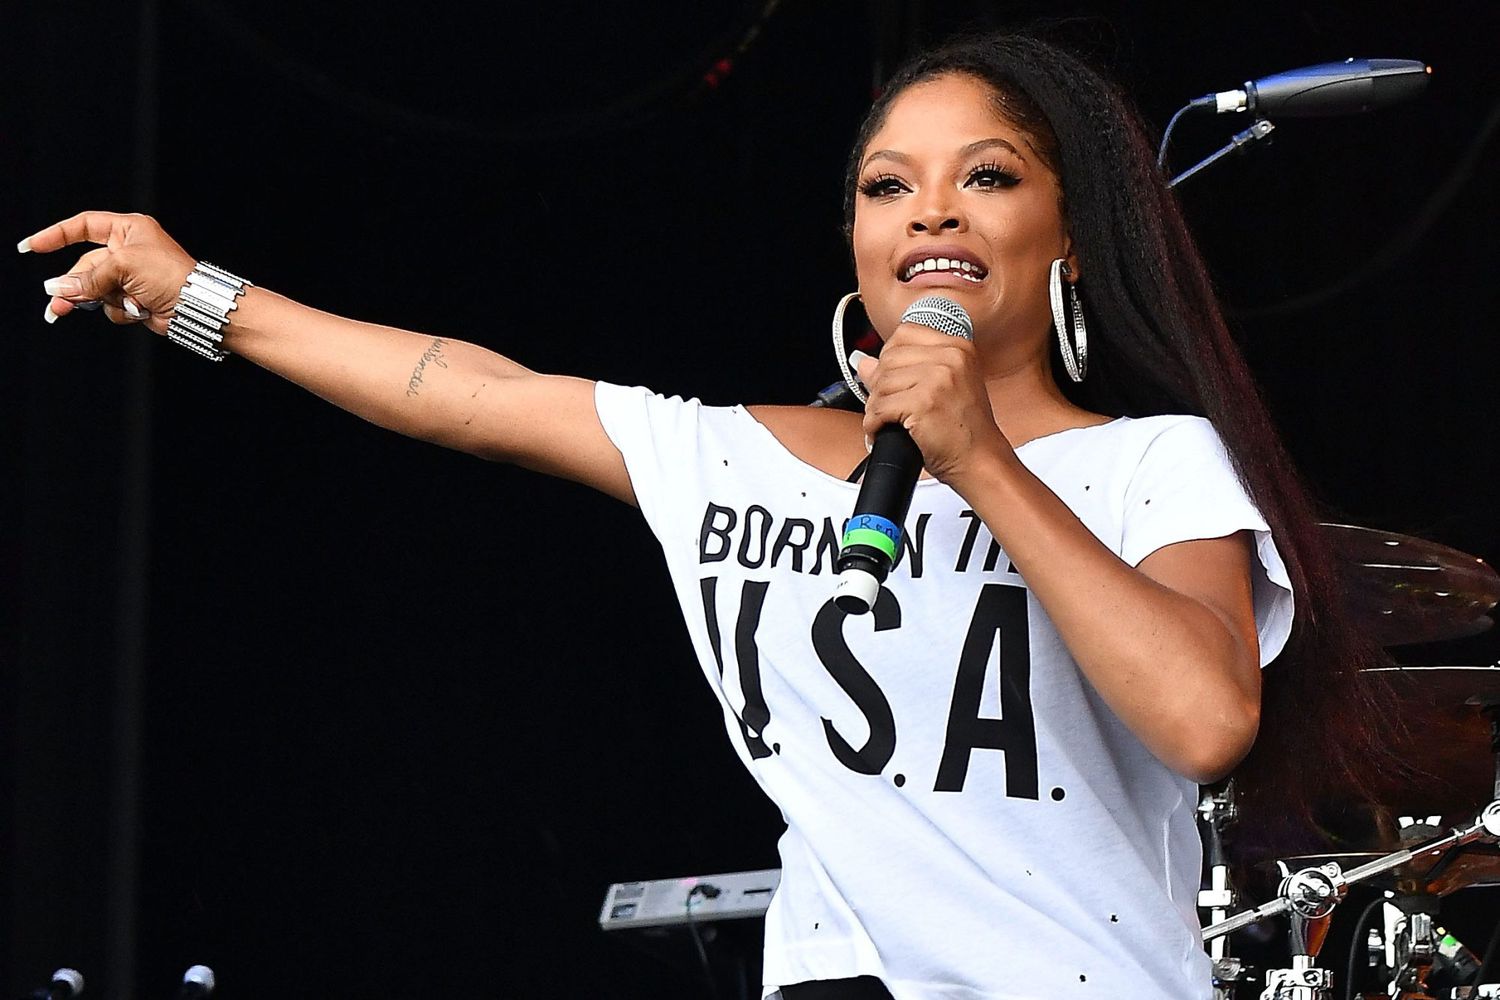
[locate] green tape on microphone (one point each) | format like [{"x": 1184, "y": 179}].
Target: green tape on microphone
[{"x": 873, "y": 538}]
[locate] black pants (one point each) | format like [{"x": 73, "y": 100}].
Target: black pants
[{"x": 863, "y": 988}]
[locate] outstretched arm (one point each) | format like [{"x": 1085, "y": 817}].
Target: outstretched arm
[{"x": 433, "y": 388}]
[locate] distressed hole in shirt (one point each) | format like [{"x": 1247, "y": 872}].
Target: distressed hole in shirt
[
  {"x": 815, "y": 926},
  {"x": 1114, "y": 918},
  {"x": 1086, "y": 489},
  {"x": 1082, "y": 978},
  {"x": 726, "y": 462},
  {"x": 804, "y": 493},
  {"x": 1028, "y": 871},
  {"x": 1148, "y": 502}
]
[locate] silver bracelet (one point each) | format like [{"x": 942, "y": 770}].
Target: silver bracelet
[{"x": 203, "y": 308}]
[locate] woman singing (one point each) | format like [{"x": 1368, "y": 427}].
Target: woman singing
[{"x": 989, "y": 782}]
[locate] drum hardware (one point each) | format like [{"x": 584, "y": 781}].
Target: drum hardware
[
  {"x": 1312, "y": 893},
  {"x": 1315, "y": 891},
  {"x": 1422, "y": 960},
  {"x": 1492, "y": 712},
  {"x": 1414, "y": 953},
  {"x": 1230, "y": 974},
  {"x": 1303, "y": 981},
  {"x": 1375, "y": 951},
  {"x": 1217, "y": 812},
  {"x": 1425, "y": 961},
  {"x": 1439, "y": 873}
]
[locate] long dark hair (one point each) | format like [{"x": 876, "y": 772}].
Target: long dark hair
[{"x": 1158, "y": 343}]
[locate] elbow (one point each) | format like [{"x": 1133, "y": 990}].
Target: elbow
[{"x": 1216, "y": 745}]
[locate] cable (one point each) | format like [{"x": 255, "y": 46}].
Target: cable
[
  {"x": 1166, "y": 136},
  {"x": 1488, "y": 965},
  {"x": 636, "y": 108},
  {"x": 1396, "y": 248},
  {"x": 1358, "y": 944},
  {"x": 707, "y": 892}
]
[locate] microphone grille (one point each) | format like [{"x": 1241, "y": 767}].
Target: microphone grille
[
  {"x": 72, "y": 978},
  {"x": 941, "y": 314},
  {"x": 200, "y": 975}
]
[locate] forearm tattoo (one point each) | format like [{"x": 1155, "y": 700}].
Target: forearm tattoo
[{"x": 433, "y": 355}]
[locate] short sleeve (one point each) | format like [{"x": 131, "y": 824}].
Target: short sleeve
[
  {"x": 658, "y": 437},
  {"x": 1185, "y": 488}
]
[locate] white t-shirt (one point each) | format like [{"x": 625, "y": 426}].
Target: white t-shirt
[{"x": 966, "y": 818}]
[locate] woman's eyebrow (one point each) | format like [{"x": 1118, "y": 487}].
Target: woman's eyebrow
[
  {"x": 983, "y": 144},
  {"x": 969, "y": 150},
  {"x": 889, "y": 154}
]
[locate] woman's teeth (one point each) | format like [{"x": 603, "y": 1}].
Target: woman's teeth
[{"x": 962, "y": 268}]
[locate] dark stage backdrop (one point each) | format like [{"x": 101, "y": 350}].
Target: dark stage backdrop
[{"x": 403, "y": 715}]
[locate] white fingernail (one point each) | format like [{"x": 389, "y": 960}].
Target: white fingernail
[
  {"x": 131, "y": 309},
  {"x": 868, "y": 445},
  {"x": 24, "y": 246},
  {"x": 65, "y": 285},
  {"x": 49, "y": 315}
]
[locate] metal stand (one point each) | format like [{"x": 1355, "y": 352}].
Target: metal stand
[
  {"x": 1259, "y": 129},
  {"x": 1414, "y": 946},
  {"x": 1216, "y": 813},
  {"x": 1491, "y": 711},
  {"x": 1303, "y": 981},
  {"x": 1313, "y": 892}
]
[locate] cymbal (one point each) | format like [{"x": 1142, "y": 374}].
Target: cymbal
[
  {"x": 1473, "y": 865},
  {"x": 1409, "y": 590},
  {"x": 1433, "y": 725}
]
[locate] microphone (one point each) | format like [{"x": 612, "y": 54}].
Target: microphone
[
  {"x": 197, "y": 983},
  {"x": 1337, "y": 88},
  {"x": 66, "y": 984},
  {"x": 872, "y": 536}
]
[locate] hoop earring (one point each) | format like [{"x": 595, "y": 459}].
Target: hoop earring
[
  {"x": 1075, "y": 353},
  {"x": 838, "y": 348}
]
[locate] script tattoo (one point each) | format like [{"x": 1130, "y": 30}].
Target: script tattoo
[{"x": 433, "y": 355}]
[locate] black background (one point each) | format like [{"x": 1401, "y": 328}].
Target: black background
[{"x": 405, "y": 714}]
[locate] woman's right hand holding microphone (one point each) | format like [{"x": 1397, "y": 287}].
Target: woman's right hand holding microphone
[{"x": 136, "y": 273}]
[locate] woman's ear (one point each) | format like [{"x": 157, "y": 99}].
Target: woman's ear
[{"x": 1071, "y": 259}]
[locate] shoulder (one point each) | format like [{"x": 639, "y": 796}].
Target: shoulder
[
  {"x": 1168, "y": 426},
  {"x": 1130, "y": 457},
  {"x": 831, "y": 441},
  {"x": 1178, "y": 437},
  {"x": 1152, "y": 436},
  {"x": 1133, "y": 440}
]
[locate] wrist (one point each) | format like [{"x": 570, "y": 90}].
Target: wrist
[
  {"x": 989, "y": 472},
  {"x": 207, "y": 298}
]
